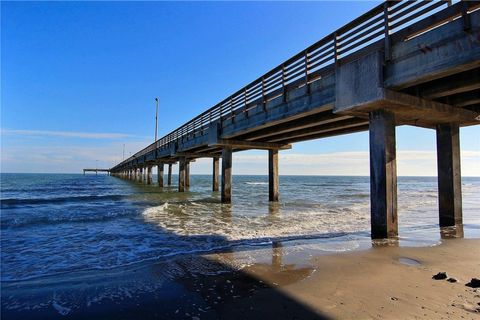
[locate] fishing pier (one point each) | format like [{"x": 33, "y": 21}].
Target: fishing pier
[{"x": 402, "y": 63}]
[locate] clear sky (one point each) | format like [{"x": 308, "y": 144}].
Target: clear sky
[{"x": 78, "y": 80}]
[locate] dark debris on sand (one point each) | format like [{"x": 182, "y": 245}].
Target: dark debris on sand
[
  {"x": 474, "y": 283},
  {"x": 440, "y": 276}
]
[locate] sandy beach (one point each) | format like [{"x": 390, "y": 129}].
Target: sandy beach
[
  {"x": 382, "y": 282},
  {"x": 385, "y": 283}
]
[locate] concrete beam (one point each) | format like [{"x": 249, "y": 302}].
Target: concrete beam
[
  {"x": 302, "y": 123},
  {"x": 449, "y": 176},
  {"x": 383, "y": 175},
  {"x": 455, "y": 84},
  {"x": 464, "y": 99},
  {"x": 226, "y": 196},
  {"x": 273, "y": 181},
  {"x": 195, "y": 155},
  {"x": 331, "y": 133},
  {"x": 413, "y": 110},
  {"x": 439, "y": 53},
  {"x": 349, "y": 123},
  {"x": 250, "y": 145}
]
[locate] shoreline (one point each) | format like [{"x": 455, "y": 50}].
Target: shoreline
[{"x": 384, "y": 282}]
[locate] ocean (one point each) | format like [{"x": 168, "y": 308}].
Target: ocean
[{"x": 63, "y": 225}]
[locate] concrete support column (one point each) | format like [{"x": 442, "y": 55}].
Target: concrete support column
[
  {"x": 187, "y": 173},
  {"x": 273, "y": 175},
  {"x": 169, "y": 178},
  {"x": 160, "y": 174},
  {"x": 449, "y": 177},
  {"x": 215, "y": 174},
  {"x": 181, "y": 175},
  {"x": 383, "y": 175},
  {"x": 140, "y": 175},
  {"x": 226, "y": 175},
  {"x": 135, "y": 174},
  {"x": 149, "y": 175}
]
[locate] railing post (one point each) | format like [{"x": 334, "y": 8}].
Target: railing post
[
  {"x": 306, "y": 73},
  {"x": 264, "y": 103},
  {"x": 245, "y": 101},
  {"x": 335, "y": 48},
  {"x": 465, "y": 17},
  {"x": 231, "y": 109},
  {"x": 386, "y": 24},
  {"x": 284, "y": 95}
]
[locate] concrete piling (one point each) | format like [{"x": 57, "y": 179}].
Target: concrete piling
[
  {"x": 181, "y": 175},
  {"x": 187, "y": 174},
  {"x": 169, "y": 178},
  {"x": 383, "y": 175},
  {"x": 226, "y": 196},
  {"x": 273, "y": 175},
  {"x": 149, "y": 174},
  {"x": 449, "y": 176},
  {"x": 160, "y": 174},
  {"x": 215, "y": 174}
]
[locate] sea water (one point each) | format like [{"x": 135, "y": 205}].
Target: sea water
[{"x": 61, "y": 223}]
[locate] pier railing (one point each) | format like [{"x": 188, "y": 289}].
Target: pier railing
[{"x": 388, "y": 22}]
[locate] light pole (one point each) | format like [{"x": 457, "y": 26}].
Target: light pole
[
  {"x": 123, "y": 152},
  {"x": 156, "y": 120}
]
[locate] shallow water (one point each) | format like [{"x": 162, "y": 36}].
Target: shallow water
[{"x": 62, "y": 223}]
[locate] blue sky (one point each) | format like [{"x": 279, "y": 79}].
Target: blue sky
[{"x": 79, "y": 80}]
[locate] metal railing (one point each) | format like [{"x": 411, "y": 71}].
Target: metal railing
[{"x": 376, "y": 26}]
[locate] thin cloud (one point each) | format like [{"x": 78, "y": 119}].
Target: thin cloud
[{"x": 65, "y": 134}]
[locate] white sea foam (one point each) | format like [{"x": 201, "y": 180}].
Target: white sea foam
[{"x": 189, "y": 219}]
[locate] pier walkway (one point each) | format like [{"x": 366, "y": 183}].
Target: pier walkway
[{"x": 402, "y": 63}]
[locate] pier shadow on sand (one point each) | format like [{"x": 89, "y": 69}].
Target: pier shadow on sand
[{"x": 190, "y": 286}]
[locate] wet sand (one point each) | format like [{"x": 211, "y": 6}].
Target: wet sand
[{"x": 384, "y": 282}]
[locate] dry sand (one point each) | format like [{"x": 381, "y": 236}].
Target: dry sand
[{"x": 379, "y": 283}]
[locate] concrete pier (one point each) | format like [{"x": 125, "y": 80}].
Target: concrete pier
[
  {"x": 160, "y": 174},
  {"x": 449, "y": 177},
  {"x": 226, "y": 196},
  {"x": 215, "y": 173},
  {"x": 418, "y": 64},
  {"x": 383, "y": 175},
  {"x": 273, "y": 175}
]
